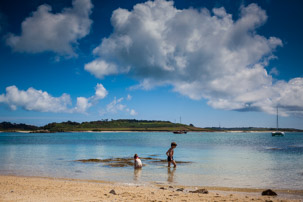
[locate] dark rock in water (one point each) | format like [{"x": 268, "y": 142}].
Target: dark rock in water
[
  {"x": 112, "y": 192},
  {"x": 147, "y": 158},
  {"x": 181, "y": 189},
  {"x": 295, "y": 146},
  {"x": 126, "y": 162},
  {"x": 114, "y": 162},
  {"x": 269, "y": 192},
  {"x": 90, "y": 160},
  {"x": 200, "y": 191},
  {"x": 274, "y": 148},
  {"x": 163, "y": 161}
]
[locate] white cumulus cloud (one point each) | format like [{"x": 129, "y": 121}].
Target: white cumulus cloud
[
  {"x": 117, "y": 106},
  {"x": 129, "y": 97},
  {"x": 59, "y": 33},
  {"x": 100, "y": 68},
  {"x": 202, "y": 54},
  {"x": 101, "y": 92},
  {"x": 85, "y": 103},
  {"x": 133, "y": 112},
  {"x": 82, "y": 105},
  {"x": 35, "y": 100},
  {"x": 41, "y": 101}
]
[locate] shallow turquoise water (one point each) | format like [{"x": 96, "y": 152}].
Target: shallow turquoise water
[{"x": 252, "y": 160}]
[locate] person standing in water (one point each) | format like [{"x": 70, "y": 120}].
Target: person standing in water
[{"x": 170, "y": 154}]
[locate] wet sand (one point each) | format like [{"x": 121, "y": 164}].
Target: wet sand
[{"x": 15, "y": 188}]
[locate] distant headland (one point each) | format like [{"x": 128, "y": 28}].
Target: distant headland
[{"x": 126, "y": 125}]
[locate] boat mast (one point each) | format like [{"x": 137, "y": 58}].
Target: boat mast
[{"x": 277, "y": 118}]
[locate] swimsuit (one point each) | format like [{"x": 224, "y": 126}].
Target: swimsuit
[
  {"x": 168, "y": 158},
  {"x": 138, "y": 163}
]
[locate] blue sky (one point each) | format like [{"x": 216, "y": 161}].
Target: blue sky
[{"x": 227, "y": 63}]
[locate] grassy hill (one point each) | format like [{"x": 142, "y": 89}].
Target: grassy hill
[{"x": 119, "y": 125}]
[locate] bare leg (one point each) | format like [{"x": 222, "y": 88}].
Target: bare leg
[
  {"x": 168, "y": 163},
  {"x": 175, "y": 165}
]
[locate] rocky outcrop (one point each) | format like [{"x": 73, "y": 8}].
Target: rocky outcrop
[{"x": 269, "y": 192}]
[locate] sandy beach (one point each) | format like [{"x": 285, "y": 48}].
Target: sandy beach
[{"x": 14, "y": 188}]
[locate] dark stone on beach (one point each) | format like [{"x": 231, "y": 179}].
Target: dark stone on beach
[
  {"x": 181, "y": 189},
  {"x": 171, "y": 187},
  {"x": 162, "y": 188},
  {"x": 200, "y": 191},
  {"x": 269, "y": 192},
  {"x": 112, "y": 192}
]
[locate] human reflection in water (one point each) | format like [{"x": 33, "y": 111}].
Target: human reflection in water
[
  {"x": 137, "y": 174},
  {"x": 170, "y": 174}
]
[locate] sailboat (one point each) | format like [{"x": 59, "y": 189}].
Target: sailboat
[
  {"x": 277, "y": 132},
  {"x": 180, "y": 131}
]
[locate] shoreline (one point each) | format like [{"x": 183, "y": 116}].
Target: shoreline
[
  {"x": 29, "y": 188},
  {"x": 104, "y": 131},
  {"x": 134, "y": 131}
]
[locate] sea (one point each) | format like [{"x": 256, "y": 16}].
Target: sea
[{"x": 235, "y": 160}]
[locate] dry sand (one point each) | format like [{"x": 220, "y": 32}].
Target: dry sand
[{"x": 14, "y": 188}]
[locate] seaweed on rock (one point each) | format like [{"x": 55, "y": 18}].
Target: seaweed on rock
[{"x": 127, "y": 162}]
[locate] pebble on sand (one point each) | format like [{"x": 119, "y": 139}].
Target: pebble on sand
[
  {"x": 112, "y": 192},
  {"x": 200, "y": 191}
]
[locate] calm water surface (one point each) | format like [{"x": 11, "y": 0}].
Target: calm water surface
[{"x": 252, "y": 160}]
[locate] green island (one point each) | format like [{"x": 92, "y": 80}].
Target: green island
[
  {"x": 126, "y": 125},
  {"x": 103, "y": 125}
]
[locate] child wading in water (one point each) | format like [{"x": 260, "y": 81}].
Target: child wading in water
[
  {"x": 137, "y": 162},
  {"x": 170, "y": 154}
]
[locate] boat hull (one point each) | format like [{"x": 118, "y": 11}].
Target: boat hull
[
  {"x": 278, "y": 133},
  {"x": 180, "y": 132}
]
